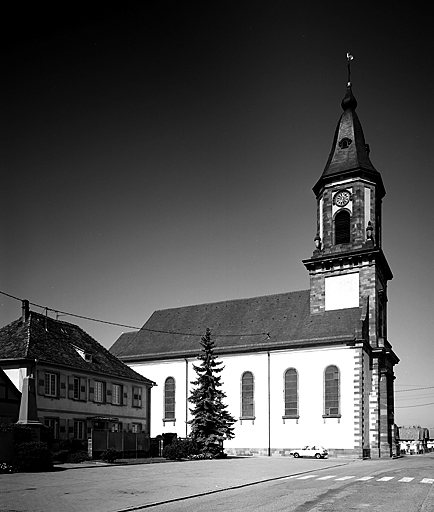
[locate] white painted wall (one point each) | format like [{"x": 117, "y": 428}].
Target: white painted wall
[
  {"x": 311, "y": 428},
  {"x": 342, "y": 291}
]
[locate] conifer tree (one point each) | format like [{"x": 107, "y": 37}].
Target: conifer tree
[{"x": 211, "y": 423}]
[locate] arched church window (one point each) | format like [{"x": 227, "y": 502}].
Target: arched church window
[
  {"x": 169, "y": 399},
  {"x": 247, "y": 395},
  {"x": 331, "y": 391},
  {"x": 342, "y": 227},
  {"x": 291, "y": 393}
]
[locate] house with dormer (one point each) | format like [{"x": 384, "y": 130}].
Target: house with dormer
[{"x": 80, "y": 386}]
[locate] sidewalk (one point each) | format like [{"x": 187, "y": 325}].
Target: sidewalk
[{"x": 96, "y": 487}]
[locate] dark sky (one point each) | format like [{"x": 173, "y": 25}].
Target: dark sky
[{"x": 164, "y": 155}]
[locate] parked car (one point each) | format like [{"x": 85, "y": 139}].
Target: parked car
[{"x": 310, "y": 451}]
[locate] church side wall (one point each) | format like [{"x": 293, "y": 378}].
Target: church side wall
[{"x": 269, "y": 432}]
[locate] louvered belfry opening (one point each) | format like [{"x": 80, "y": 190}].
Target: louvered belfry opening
[{"x": 342, "y": 227}]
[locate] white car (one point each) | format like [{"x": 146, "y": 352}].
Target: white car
[{"x": 310, "y": 451}]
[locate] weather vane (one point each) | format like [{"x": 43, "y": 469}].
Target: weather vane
[{"x": 349, "y": 59}]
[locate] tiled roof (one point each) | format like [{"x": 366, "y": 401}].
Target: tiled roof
[
  {"x": 258, "y": 323},
  {"x": 55, "y": 342}
]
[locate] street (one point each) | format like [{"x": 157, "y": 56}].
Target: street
[
  {"x": 258, "y": 484},
  {"x": 400, "y": 485}
]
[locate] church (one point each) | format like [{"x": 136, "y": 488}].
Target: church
[{"x": 309, "y": 367}]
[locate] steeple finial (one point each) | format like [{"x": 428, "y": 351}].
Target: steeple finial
[
  {"x": 349, "y": 59},
  {"x": 349, "y": 100}
]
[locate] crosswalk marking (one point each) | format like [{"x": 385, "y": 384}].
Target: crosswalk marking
[
  {"x": 427, "y": 481},
  {"x": 405, "y": 479}
]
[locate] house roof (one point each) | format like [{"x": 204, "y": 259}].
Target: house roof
[
  {"x": 60, "y": 343},
  {"x": 259, "y": 323}
]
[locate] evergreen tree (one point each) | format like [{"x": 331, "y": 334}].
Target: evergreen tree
[{"x": 211, "y": 423}]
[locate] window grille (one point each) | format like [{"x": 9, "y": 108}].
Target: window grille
[
  {"x": 169, "y": 398},
  {"x": 331, "y": 391},
  {"x": 50, "y": 384},
  {"x": 116, "y": 394},
  {"x": 291, "y": 393},
  {"x": 247, "y": 395}
]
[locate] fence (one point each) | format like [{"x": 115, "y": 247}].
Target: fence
[{"x": 129, "y": 443}]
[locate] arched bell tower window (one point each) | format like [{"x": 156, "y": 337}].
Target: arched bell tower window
[{"x": 342, "y": 227}]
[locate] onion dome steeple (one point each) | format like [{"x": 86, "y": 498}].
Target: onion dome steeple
[{"x": 349, "y": 155}]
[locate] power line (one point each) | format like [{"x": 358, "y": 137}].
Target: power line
[
  {"x": 134, "y": 327},
  {"x": 408, "y": 406},
  {"x": 414, "y": 389}
]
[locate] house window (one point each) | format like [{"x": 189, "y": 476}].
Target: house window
[
  {"x": 291, "y": 393},
  {"x": 342, "y": 227},
  {"x": 331, "y": 392},
  {"x": 79, "y": 429},
  {"x": 116, "y": 394},
  {"x": 99, "y": 391},
  {"x": 137, "y": 397},
  {"x": 117, "y": 426},
  {"x": 50, "y": 384},
  {"x": 76, "y": 388},
  {"x": 169, "y": 399},
  {"x": 53, "y": 425},
  {"x": 136, "y": 428},
  {"x": 247, "y": 396}
]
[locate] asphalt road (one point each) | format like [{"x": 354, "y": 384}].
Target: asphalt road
[
  {"x": 258, "y": 484},
  {"x": 403, "y": 485}
]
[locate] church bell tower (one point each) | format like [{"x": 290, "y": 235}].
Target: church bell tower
[{"x": 348, "y": 268}]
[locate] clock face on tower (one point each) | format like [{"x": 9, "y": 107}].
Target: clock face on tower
[{"x": 342, "y": 198}]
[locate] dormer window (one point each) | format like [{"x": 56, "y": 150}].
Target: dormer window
[{"x": 83, "y": 354}]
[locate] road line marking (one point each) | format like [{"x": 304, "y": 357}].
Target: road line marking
[
  {"x": 327, "y": 477},
  {"x": 306, "y": 477},
  {"x": 427, "y": 481},
  {"x": 406, "y": 479},
  {"x": 385, "y": 478},
  {"x": 344, "y": 478},
  {"x": 365, "y": 478}
]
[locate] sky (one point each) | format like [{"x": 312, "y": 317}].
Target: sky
[{"x": 164, "y": 155}]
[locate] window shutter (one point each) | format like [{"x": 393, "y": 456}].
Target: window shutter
[
  {"x": 70, "y": 386},
  {"x": 62, "y": 428},
  {"x": 62, "y": 385},
  {"x": 342, "y": 227},
  {"x": 125, "y": 397},
  {"x": 41, "y": 383},
  {"x": 82, "y": 388},
  {"x": 108, "y": 393},
  {"x": 91, "y": 390}
]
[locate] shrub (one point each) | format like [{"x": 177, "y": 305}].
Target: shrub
[
  {"x": 22, "y": 433},
  {"x": 6, "y": 468},
  {"x": 33, "y": 456},
  {"x": 181, "y": 449},
  {"x": 73, "y": 445},
  {"x": 110, "y": 455},
  {"x": 76, "y": 457},
  {"x": 61, "y": 456}
]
